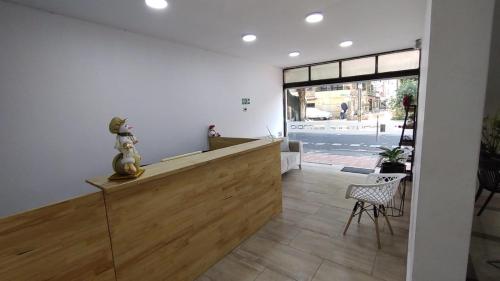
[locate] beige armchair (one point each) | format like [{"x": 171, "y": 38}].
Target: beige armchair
[{"x": 292, "y": 159}]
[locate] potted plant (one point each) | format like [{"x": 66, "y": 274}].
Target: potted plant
[
  {"x": 392, "y": 160},
  {"x": 407, "y": 100},
  {"x": 490, "y": 141}
]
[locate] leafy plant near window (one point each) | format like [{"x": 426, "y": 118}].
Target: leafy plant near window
[
  {"x": 392, "y": 155},
  {"x": 408, "y": 87},
  {"x": 392, "y": 160},
  {"x": 490, "y": 142}
]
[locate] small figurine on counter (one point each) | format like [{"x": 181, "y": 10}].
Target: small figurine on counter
[
  {"x": 212, "y": 132},
  {"x": 127, "y": 163}
]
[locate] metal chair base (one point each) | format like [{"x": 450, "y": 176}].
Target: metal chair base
[{"x": 377, "y": 210}]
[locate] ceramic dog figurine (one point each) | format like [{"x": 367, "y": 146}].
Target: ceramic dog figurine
[{"x": 127, "y": 162}]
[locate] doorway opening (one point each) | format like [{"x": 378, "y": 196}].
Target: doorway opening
[{"x": 345, "y": 124}]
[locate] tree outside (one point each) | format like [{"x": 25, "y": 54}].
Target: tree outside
[{"x": 408, "y": 87}]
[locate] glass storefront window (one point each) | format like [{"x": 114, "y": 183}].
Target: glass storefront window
[
  {"x": 296, "y": 75},
  {"x": 357, "y": 67},
  {"x": 399, "y": 61},
  {"x": 325, "y": 71}
]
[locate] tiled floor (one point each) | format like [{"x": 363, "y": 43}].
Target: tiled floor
[
  {"x": 367, "y": 162},
  {"x": 485, "y": 240},
  {"x": 305, "y": 242}
]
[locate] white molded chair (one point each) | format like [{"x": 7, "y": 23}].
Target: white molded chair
[{"x": 377, "y": 191}]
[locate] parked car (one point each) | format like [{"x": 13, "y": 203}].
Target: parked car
[{"x": 314, "y": 113}]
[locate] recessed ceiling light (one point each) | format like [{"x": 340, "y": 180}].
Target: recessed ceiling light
[
  {"x": 314, "y": 17},
  {"x": 157, "y": 4},
  {"x": 345, "y": 44},
  {"x": 249, "y": 37},
  {"x": 294, "y": 54}
]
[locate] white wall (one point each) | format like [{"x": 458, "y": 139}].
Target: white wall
[
  {"x": 62, "y": 80},
  {"x": 453, "y": 85}
]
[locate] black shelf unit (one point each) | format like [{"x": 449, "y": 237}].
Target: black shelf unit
[{"x": 410, "y": 123}]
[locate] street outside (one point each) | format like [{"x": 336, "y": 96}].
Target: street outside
[
  {"x": 346, "y": 143},
  {"x": 345, "y": 124}
]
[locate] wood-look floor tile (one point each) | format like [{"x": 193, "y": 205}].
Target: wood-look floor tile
[
  {"x": 279, "y": 231},
  {"x": 308, "y": 233},
  {"x": 364, "y": 235},
  {"x": 297, "y": 193},
  {"x": 322, "y": 174},
  {"x": 351, "y": 255},
  {"x": 323, "y": 188},
  {"x": 300, "y": 205},
  {"x": 400, "y": 225},
  {"x": 389, "y": 268},
  {"x": 230, "y": 268},
  {"x": 269, "y": 275},
  {"x": 280, "y": 258},
  {"x": 481, "y": 251},
  {"x": 291, "y": 216},
  {"x": 334, "y": 200},
  {"x": 394, "y": 245},
  {"x": 487, "y": 223},
  {"x": 333, "y": 272},
  {"x": 322, "y": 225},
  {"x": 341, "y": 215},
  {"x": 335, "y": 213}
]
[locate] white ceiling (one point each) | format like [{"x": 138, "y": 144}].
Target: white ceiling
[{"x": 217, "y": 25}]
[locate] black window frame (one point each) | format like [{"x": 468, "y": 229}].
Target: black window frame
[
  {"x": 374, "y": 76},
  {"x": 367, "y": 77}
]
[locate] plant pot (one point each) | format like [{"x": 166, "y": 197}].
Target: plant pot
[
  {"x": 490, "y": 160},
  {"x": 485, "y": 155},
  {"x": 391, "y": 167}
]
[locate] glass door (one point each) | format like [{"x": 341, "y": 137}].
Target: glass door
[{"x": 345, "y": 124}]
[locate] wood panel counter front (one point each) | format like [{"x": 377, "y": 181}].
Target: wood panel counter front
[{"x": 185, "y": 214}]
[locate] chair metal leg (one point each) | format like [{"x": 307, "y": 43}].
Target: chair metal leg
[
  {"x": 361, "y": 212},
  {"x": 350, "y": 218},
  {"x": 485, "y": 204},
  {"x": 478, "y": 193},
  {"x": 384, "y": 212},
  {"x": 375, "y": 219}
]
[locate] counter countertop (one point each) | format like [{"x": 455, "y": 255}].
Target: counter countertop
[{"x": 170, "y": 167}]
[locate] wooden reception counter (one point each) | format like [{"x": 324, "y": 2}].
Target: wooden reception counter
[
  {"x": 183, "y": 215},
  {"x": 220, "y": 149}
]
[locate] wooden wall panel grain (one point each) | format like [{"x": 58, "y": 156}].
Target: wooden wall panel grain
[
  {"x": 176, "y": 227},
  {"x": 222, "y": 142},
  {"x": 60, "y": 242}
]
